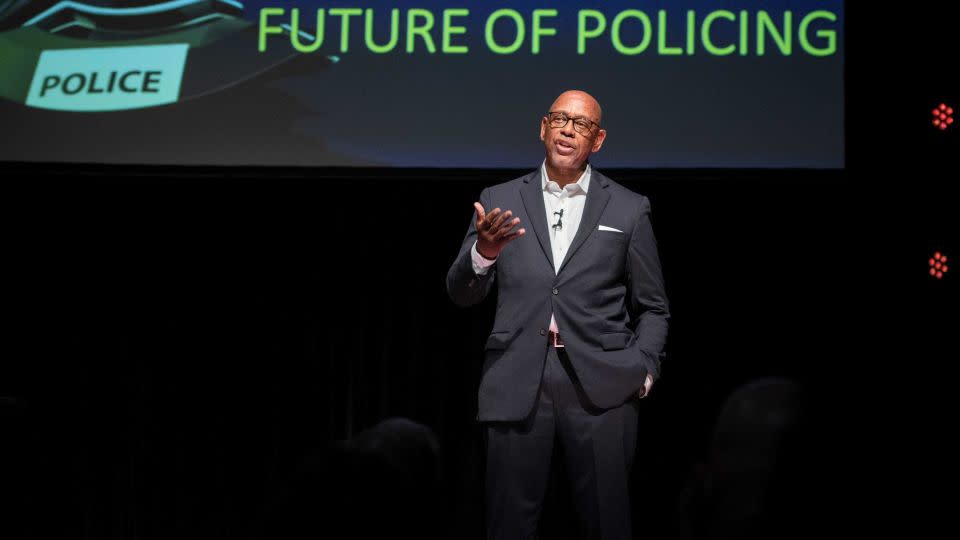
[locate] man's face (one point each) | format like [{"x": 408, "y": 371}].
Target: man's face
[{"x": 566, "y": 147}]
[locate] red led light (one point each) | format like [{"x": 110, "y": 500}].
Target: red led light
[
  {"x": 938, "y": 265},
  {"x": 942, "y": 116}
]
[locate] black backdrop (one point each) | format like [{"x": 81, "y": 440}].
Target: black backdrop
[{"x": 182, "y": 338}]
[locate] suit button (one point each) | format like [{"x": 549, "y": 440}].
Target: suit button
[
  {"x": 556, "y": 291},
  {"x": 543, "y": 332}
]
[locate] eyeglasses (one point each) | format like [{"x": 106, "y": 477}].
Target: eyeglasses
[{"x": 583, "y": 126}]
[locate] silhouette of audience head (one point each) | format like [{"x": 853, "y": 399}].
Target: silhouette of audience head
[
  {"x": 384, "y": 480},
  {"x": 751, "y": 482}
]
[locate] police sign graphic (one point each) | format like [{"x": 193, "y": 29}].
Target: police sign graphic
[{"x": 108, "y": 78}]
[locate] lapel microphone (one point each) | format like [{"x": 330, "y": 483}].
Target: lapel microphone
[{"x": 559, "y": 224}]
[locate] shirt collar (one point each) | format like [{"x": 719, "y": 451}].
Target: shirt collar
[{"x": 583, "y": 182}]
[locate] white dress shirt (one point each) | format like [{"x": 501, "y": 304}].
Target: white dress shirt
[{"x": 570, "y": 199}]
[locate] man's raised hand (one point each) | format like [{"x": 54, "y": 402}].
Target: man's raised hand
[{"x": 495, "y": 230}]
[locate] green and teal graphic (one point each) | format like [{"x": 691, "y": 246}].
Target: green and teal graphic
[
  {"x": 108, "y": 78},
  {"x": 114, "y": 55}
]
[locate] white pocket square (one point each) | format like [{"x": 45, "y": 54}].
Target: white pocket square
[{"x": 611, "y": 229}]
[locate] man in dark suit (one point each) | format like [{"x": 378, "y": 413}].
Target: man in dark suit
[{"x": 580, "y": 329}]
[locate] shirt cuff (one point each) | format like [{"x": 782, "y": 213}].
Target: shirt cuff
[{"x": 480, "y": 263}]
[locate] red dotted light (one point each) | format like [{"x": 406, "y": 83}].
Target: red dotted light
[
  {"x": 938, "y": 265},
  {"x": 942, "y": 116}
]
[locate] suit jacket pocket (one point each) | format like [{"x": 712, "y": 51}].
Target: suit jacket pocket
[
  {"x": 613, "y": 237},
  {"x": 615, "y": 340},
  {"x": 500, "y": 339},
  {"x": 609, "y": 251}
]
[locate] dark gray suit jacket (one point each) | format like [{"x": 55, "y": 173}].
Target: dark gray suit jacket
[{"x": 608, "y": 298}]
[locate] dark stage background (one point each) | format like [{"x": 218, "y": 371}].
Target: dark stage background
[{"x": 189, "y": 344}]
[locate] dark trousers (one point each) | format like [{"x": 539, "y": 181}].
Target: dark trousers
[{"x": 598, "y": 446}]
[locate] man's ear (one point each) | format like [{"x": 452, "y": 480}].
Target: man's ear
[
  {"x": 598, "y": 142},
  {"x": 543, "y": 128}
]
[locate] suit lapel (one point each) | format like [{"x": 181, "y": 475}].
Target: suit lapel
[
  {"x": 532, "y": 194},
  {"x": 597, "y": 198}
]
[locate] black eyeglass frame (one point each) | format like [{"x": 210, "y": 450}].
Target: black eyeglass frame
[{"x": 590, "y": 129}]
